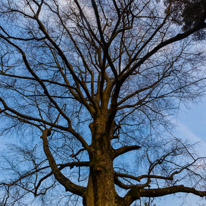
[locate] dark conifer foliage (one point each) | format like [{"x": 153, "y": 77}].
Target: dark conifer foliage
[{"x": 189, "y": 14}]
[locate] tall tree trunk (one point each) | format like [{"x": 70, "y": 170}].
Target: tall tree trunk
[{"x": 101, "y": 189}]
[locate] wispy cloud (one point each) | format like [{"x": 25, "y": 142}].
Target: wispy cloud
[{"x": 186, "y": 134}]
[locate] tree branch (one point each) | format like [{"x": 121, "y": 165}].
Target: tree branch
[
  {"x": 136, "y": 193},
  {"x": 69, "y": 186},
  {"x": 171, "y": 40},
  {"x": 69, "y": 66},
  {"x": 125, "y": 149}
]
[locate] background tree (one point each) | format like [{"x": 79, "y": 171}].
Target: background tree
[
  {"x": 188, "y": 14},
  {"x": 82, "y": 84}
]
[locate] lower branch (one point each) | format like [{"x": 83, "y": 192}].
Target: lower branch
[
  {"x": 125, "y": 149},
  {"x": 136, "y": 193},
  {"x": 69, "y": 186}
]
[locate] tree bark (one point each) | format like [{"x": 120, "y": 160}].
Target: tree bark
[{"x": 101, "y": 189}]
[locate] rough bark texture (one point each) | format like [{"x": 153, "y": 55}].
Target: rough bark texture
[{"x": 101, "y": 189}]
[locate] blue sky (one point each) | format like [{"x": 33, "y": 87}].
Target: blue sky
[{"x": 191, "y": 124}]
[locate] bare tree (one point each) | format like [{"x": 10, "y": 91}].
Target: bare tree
[{"x": 88, "y": 89}]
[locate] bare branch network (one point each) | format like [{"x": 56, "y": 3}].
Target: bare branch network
[{"x": 87, "y": 94}]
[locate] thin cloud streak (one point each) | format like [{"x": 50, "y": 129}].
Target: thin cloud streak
[{"x": 186, "y": 134}]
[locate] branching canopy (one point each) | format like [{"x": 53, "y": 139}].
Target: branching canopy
[{"x": 87, "y": 92}]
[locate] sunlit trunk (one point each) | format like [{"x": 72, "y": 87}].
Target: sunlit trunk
[{"x": 101, "y": 189}]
